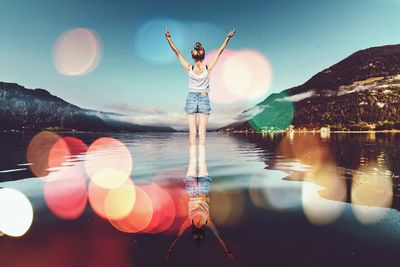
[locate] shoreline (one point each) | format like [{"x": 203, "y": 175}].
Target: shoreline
[
  {"x": 312, "y": 131},
  {"x": 216, "y": 131}
]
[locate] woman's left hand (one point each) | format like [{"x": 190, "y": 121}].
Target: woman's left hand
[{"x": 231, "y": 33}]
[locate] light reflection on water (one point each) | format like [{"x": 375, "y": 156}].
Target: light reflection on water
[{"x": 305, "y": 177}]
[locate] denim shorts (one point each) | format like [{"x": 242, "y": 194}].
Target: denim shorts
[
  {"x": 196, "y": 185},
  {"x": 197, "y": 103}
]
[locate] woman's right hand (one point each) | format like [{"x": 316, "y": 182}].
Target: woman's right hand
[
  {"x": 230, "y": 255},
  {"x": 167, "y": 33}
]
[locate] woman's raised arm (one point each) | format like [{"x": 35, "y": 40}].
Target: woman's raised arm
[
  {"x": 213, "y": 228},
  {"x": 185, "y": 225},
  {"x": 184, "y": 63},
  {"x": 215, "y": 58}
]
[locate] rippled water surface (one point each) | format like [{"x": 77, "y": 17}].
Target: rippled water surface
[{"x": 298, "y": 199}]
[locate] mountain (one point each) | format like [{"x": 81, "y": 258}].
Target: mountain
[
  {"x": 361, "y": 92},
  {"x": 37, "y": 109}
]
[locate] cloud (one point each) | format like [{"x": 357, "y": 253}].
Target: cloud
[
  {"x": 153, "y": 111},
  {"x": 250, "y": 113},
  {"x": 128, "y": 109},
  {"x": 221, "y": 115},
  {"x": 151, "y": 116},
  {"x": 296, "y": 98},
  {"x": 121, "y": 107},
  {"x": 175, "y": 120}
]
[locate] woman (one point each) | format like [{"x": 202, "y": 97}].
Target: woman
[
  {"x": 198, "y": 188},
  {"x": 198, "y": 102}
]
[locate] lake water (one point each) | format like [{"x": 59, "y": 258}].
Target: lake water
[{"x": 298, "y": 199}]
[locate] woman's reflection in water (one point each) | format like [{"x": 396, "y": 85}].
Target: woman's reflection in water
[{"x": 198, "y": 188}]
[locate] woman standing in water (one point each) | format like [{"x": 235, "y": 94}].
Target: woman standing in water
[{"x": 198, "y": 102}]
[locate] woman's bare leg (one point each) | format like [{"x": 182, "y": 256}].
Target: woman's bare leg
[
  {"x": 192, "y": 123},
  {"x": 202, "y": 161},
  {"x": 203, "y": 120},
  {"x": 191, "y": 171}
]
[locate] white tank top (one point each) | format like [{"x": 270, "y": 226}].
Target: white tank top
[
  {"x": 199, "y": 206},
  {"x": 199, "y": 82}
]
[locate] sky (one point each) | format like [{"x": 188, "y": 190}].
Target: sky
[{"x": 137, "y": 73}]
